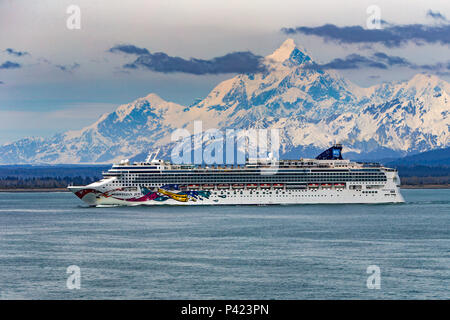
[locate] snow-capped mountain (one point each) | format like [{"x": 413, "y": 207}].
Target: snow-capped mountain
[
  {"x": 291, "y": 86},
  {"x": 128, "y": 130},
  {"x": 312, "y": 107}
]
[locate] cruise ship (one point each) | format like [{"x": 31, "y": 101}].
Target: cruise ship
[{"x": 326, "y": 179}]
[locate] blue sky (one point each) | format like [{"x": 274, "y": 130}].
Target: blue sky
[{"x": 53, "y": 79}]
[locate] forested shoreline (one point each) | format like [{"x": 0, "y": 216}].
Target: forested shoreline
[{"x": 44, "y": 182}]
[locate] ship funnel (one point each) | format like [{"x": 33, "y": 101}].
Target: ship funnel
[{"x": 333, "y": 153}]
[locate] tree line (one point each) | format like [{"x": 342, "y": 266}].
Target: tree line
[
  {"x": 44, "y": 182},
  {"x": 425, "y": 180}
]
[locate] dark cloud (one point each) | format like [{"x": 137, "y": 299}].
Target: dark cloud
[
  {"x": 236, "y": 62},
  {"x": 9, "y": 65},
  {"x": 391, "y": 60},
  {"x": 353, "y": 61},
  {"x": 1, "y": 82},
  {"x": 67, "y": 68},
  {"x": 16, "y": 53},
  {"x": 381, "y": 22},
  {"x": 438, "y": 68},
  {"x": 129, "y": 49},
  {"x": 436, "y": 15},
  {"x": 390, "y": 35},
  {"x": 380, "y": 60}
]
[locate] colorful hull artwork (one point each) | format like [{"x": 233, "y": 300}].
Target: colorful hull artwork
[{"x": 163, "y": 193}]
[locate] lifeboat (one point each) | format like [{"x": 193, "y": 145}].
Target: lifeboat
[
  {"x": 193, "y": 186},
  {"x": 278, "y": 185},
  {"x": 251, "y": 186},
  {"x": 223, "y": 186},
  {"x": 339, "y": 185},
  {"x": 208, "y": 186},
  {"x": 264, "y": 185},
  {"x": 326, "y": 185},
  {"x": 238, "y": 186},
  {"x": 313, "y": 185}
]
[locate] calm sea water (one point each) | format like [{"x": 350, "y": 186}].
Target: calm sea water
[{"x": 248, "y": 252}]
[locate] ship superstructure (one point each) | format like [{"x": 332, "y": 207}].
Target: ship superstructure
[{"x": 326, "y": 179}]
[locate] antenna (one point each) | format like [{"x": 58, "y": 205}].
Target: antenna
[
  {"x": 156, "y": 154},
  {"x": 152, "y": 156}
]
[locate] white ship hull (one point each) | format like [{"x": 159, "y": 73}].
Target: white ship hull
[{"x": 252, "y": 197}]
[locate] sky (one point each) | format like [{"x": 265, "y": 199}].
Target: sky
[{"x": 55, "y": 78}]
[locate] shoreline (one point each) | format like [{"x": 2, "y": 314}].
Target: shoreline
[
  {"x": 426, "y": 186},
  {"x": 423, "y": 186},
  {"x": 36, "y": 190}
]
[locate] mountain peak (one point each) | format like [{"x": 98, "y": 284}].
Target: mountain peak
[
  {"x": 425, "y": 77},
  {"x": 154, "y": 98},
  {"x": 124, "y": 110},
  {"x": 423, "y": 81},
  {"x": 289, "y": 51},
  {"x": 284, "y": 51}
]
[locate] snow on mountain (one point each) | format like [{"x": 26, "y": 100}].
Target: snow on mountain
[
  {"x": 312, "y": 108},
  {"x": 126, "y": 131},
  {"x": 421, "y": 86},
  {"x": 291, "y": 86}
]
